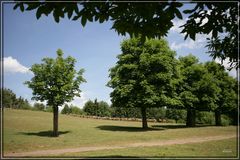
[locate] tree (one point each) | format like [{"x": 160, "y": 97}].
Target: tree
[
  {"x": 197, "y": 88},
  {"x": 157, "y": 113},
  {"x": 144, "y": 76},
  {"x": 154, "y": 19},
  {"x": 89, "y": 108},
  {"x": 104, "y": 109},
  {"x": 56, "y": 82},
  {"x": 176, "y": 114},
  {"x": 39, "y": 106},
  {"x": 66, "y": 109},
  {"x": 96, "y": 108},
  {"x": 124, "y": 112},
  {"x": 9, "y": 98},
  {"x": 75, "y": 110},
  {"x": 227, "y": 98}
]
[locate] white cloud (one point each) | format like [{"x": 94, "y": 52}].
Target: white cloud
[
  {"x": 109, "y": 102},
  {"x": 79, "y": 101},
  {"x": 11, "y": 65},
  {"x": 199, "y": 42},
  {"x": 226, "y": 64},
  {"x": 177, "y": 24}
]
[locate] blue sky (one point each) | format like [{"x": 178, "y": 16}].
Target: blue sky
[{"x": 27, "y": 40}]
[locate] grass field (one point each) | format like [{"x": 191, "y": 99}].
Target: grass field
[{"x": 31, "y": 131}]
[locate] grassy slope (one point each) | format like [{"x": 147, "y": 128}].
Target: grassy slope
[{"x": 29, "y": 130}]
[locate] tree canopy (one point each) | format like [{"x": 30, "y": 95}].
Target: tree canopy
[
  {"x": 154, "y": 19},
  {"x": 10, "y": 100},
  {"x": 56, "y": 82},
  {"x": 205, "y": 87},
  {"x": 144, "y": 75}
]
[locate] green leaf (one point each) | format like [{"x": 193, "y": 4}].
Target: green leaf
[
  {"x": 83, "y": 21},
  {"x": 39, "y": 12},
  {"x": 17, "y": 5},
  {"x": 76, "y": 17},
  {"x": 178, "y": 14},
  {"x": 70, "y": 12},
  {"x": 192, "y": 36},
  {"x": 32, "y": 6},
  {"x": 214, "y": 33},
  {"x": 178, "y": 4},
  {"x": 22, "y": 7},
  {"x": 56, "y": 16},
  {"x": 187, "y": 11}
]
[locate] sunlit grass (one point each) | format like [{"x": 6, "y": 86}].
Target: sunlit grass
[
  {"x": 31, "y": 130},
  {"x": 220, "y": 148}
]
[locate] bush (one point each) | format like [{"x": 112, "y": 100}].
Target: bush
[
  {"x": 76, "y": 110},
  {"x": 96, "y": 108},
  {"x": 156, "y": 113},
  {"x": 66, "y": 109},
  {"x": 48, "y": 109},
  {"x": 226, "y": 121},
  {"x": 123, "y": 112},
  {"x": 205, "y": 117},
  {"x": 176, "y": 114},
  {"x": 38, "y": 107}
]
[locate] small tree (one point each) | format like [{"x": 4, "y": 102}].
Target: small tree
[
  {"x": 55, "y": 81},
  {"x": 39, "y": 106},
  {"x": 66, "y": 109},
  {"x": 89, "y": 107}
]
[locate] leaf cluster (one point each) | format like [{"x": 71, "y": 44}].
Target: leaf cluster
[
  {"x": 55, "y": 80},
  {"x": 154, "y": 19}
]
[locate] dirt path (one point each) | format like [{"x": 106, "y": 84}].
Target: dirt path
[{"x": 142, "y": 144}]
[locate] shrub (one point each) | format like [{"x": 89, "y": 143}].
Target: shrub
[
  {"x": 205, "y": 117},
  {"x": 226, "y": 121}
]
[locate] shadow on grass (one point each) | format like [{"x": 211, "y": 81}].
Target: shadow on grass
[
  {"x": 126, "y": 128},
  {"x": 43, "y": 133},
  {"x": 178, "y": 126}
]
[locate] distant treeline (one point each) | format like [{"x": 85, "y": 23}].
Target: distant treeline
[
  {"x": 103, "y": 109},
  {"x": 10, "y": 100}
]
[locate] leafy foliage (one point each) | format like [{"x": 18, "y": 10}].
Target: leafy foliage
[
  {"x": 10, "y": 100},
  {"x": 96, "y": 108},
  {"x": 39, "y": 107},
  {"x": 154, "y": 19},
  {"x": 176, "y": 114},
  {"x": 144, "y": 75},
  {"x": 55, "y": 80}
]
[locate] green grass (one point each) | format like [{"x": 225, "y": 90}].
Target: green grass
[
  {"x": 31, "y": 130},
  {"x": 220, "y": 148}
]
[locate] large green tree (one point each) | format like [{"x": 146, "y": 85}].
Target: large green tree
[
  {"x": 227, "y": 97},
  {"x": 56, "y": 82},
  {"x": 144, "y": 76},
  {"x": 197, "y": 88},
  {"x": 154, "y": 19}
]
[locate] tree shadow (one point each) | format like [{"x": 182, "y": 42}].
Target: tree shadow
[
  {"x": 172, "y": 126},
  {"x": 126, "y": 128},
  {"x": 43, "y": 133}
]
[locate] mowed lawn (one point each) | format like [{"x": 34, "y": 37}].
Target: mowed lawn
[{"x": 31, "y": 130}]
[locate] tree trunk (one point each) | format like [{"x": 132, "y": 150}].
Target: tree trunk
[
  {"x": 191, "y": 118},
  {"x": 55, "y": 121},
  {"x": 218, "y": 121},
  {"x": 144, "y": 118}
]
